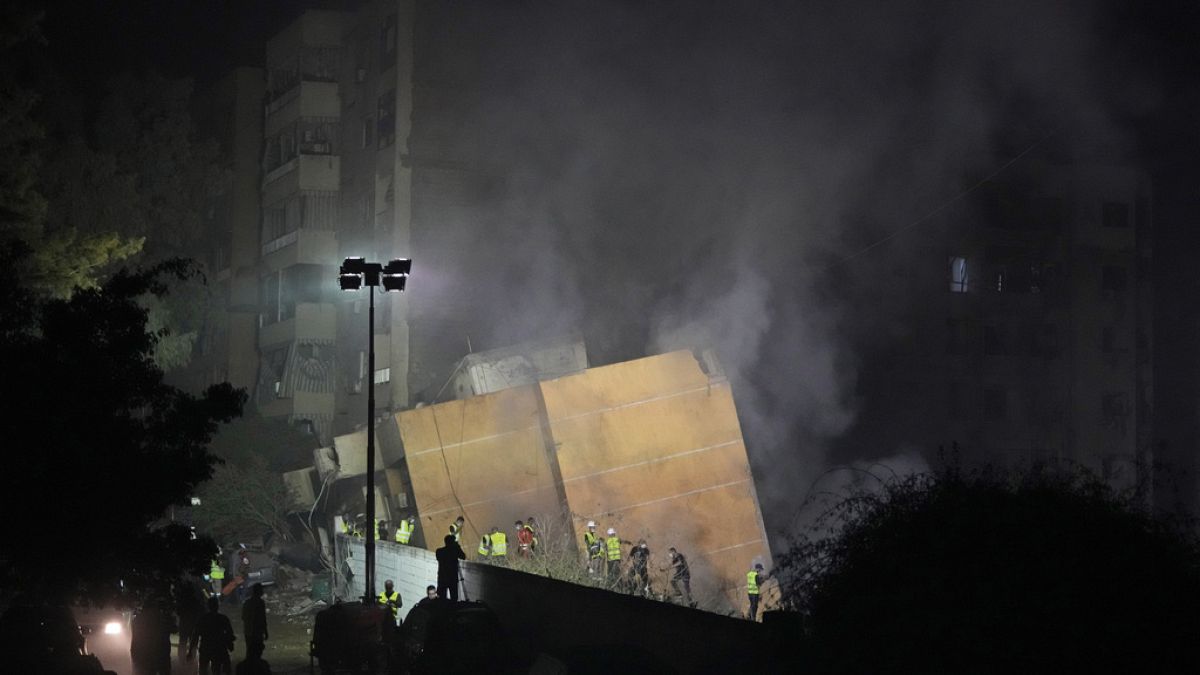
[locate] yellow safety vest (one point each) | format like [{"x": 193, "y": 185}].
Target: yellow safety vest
[
  {"x": 752, "y": 582},
  {"x": 384, "y": 600},
  {"x": 404, "y": 532},
  {"x": 454, "y": 530},
  {"x": 499, "y": 543},
  {"x": 614, "y": 548},
  {"x": 484, "y": 546},
  {"x": 217, "y": 572},
  {"x": 593, "y": 548}
]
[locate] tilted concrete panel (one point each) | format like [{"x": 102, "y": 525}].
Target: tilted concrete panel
[
  {"x": 653, "y": 448},
  {"x": 484, "y": 458}
]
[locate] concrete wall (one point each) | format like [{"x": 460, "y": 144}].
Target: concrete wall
[
  {"x": 556, "y": 617},
  {"x": 411, "y": 569}
]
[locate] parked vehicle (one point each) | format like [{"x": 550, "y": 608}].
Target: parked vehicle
[{"x": 350, "y": 636}]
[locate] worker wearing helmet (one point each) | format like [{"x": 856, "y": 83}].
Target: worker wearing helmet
[
  {"x": 591, "y": 544},
  {"x": 754, "y": 580},
  {"x": 612, "y": 544}
]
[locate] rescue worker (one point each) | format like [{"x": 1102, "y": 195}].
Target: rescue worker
[
  {"x": 524, "y": 539},
  {"x": 485, "y": 545},
  {"x": 404, "y": 530},
  {"x": 754, "y": 580},
  {"x": 217, "y": 575},
  {"x": 613, "y": 545},
  {"x": 639, "y": 568},
  {"x": 591, "y": 544},
  {"x": 390, "y": 598},
  {"x": 533, "y": 545},
  {"x": 456, "y": 529},
  {"x": 243, "y": 572},
  {"x": 214, "y": 635},
  {"x": 499, "y": 544},
  {"x": 681, "y": 576}
]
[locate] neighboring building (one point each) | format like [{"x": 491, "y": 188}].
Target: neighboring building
[
  {"x": 301, "y": 178},
  {"x": 526, "y": 363},
  {"x": 1028, "y": 337},
  {"x": 231, "y": 113}
]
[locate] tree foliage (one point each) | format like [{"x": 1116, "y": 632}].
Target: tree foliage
[
  {"x": 97, "y": 446},
  {"x": 1043, "y": 571}
]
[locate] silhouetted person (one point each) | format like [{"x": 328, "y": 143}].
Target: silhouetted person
[
  {"x": 639, "y": 567},
  {"x": 448, "y": 557},
  {"x": 681, "y": 576},
  {"x": 150, "y": 642},
  {"x": 189, "y": 606},
  {"x": 430, "y": 596},
  {"x": 214, "y": 635},
  {"x": 254, "y": 623}
]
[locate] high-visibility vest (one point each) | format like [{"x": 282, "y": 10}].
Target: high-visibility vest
[
  {"x": 592, "y": 544},
  {"x": 752, "y": 582},
  {"x": 485, "y": 546},
  {"x": 614, "y": 547},
  {"x": 455, "y": 530},
  {"x": 499, "y": 543},
  {"x": 217, "y": 572},
  {"x": 384, "y": 599},
  {"x": 404, "y": 532}
]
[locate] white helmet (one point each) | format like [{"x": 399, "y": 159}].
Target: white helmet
[
  {"x": 591, "y": 523},
  {"x": 611, "y": 531}
]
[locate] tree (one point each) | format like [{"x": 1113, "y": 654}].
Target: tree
[
  {"x": 1043, "y": 571},
  {"x": 97, "y": 446}
]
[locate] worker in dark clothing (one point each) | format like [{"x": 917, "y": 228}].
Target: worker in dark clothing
[
  {"x": 254, "y": 623},
  {"x": 189, "y": 607},
  {"x": 214, "y": 635},
  {"x": 448, "y": 557},
  {"x": 150, "y": 642},
  {"x": 754, "y": 580},
  {"x": 431, "y": 596},
  {"x": 681, "y": 576},
  {"x": 639, "y": 568}
]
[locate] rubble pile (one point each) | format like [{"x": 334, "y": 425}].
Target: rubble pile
[{"x": 291, "y": 598}]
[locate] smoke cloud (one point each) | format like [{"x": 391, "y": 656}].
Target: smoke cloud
[{"x": 680, "y": 175}]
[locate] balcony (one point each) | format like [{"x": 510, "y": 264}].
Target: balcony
[
  {"x": 305, "y": 99},
  {"x": 303, "y": 172},
  {"x": 317, "y": 321},
  {"x": 318, "y": 247}
]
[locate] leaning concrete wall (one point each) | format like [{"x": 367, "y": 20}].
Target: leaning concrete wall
[{"x": 484, "y": 458}]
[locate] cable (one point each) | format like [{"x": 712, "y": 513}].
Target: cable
[{"x": 945, "y": 205}]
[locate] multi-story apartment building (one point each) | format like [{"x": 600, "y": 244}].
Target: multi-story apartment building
[
  {"x": 1026, "y": 334},
  {"x": 301, "y": 164}
]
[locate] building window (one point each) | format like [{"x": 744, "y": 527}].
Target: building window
[
  {"x": 1108, "y": 340},
  {"x": 1114, "y": 411},
  {"x": 993, "y": 341},
  {"x": 1115, "y": 214},
  {"x": 387, "y": 42},
  {"x": 387, "y": 118},
  {"x": 1113, "y": 279},
  {"x": 995, "y": 403},
  {"x": 958, "y": 337},
  {"x": 382, "y": 376},
  {"x": 368, "y": 132},
  {"x": 958, "y": 274}
]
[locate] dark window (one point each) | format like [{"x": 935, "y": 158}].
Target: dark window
[
  {"x": 1115, "y": 214},
  {"x": 1113, "y": 279},
  {"x": 387, "y": 42},
  {"x": 993, "y": 341},
  {"x": 1108, "y": 340},
  {"x": 368, "y": 132},
  {"x": 387, "y": 118},
  {"x": 995, "y": 403},
  {"x": 958, "y": 336}
]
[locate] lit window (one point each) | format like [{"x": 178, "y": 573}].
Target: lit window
[
  {"x": 383, "y": 376},
  {"x": 958, "y": 274}
]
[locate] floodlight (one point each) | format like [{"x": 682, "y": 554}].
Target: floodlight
[
  {"x": 394, "y": 282},
  {"x": 398, "y": 266},
  {"x": 350, "y": 282},
  {"x": 354, "y": 265}
]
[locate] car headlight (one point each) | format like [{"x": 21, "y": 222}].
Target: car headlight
[{"x": 112, "y": 628}]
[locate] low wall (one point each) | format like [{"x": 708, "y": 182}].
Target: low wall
[
  {"x": 557, "y": 617},
  {"x": 411, "y": 568}
]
